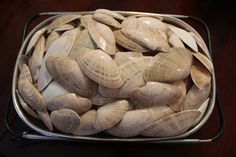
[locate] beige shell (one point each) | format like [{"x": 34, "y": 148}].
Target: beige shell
[
  {"x": 196, "y": 97},
  {"x": 26, "y": 107},
  {"x": 147, "y": 38},
  {"x": 53, "y": 90},
  {"x": 100, "y": 100},
  {"x": 83, "y": 40},
  {"x": 85, "y": 19},
  {"x": 25, "y": 73},
  {"x": 86, "y": 124},
  {"x": 65, "y": 120},
  {"x": 61, "y": 20},
  {"x": 60, "y": 47},
  {"x": 23, "y": 60},
  {"x": 204, "y": 60},
  {"x": 64, "y": 27},
  {"x": 152, "y": 23},
  {"x": 159, "y": 112},
  {"x": 123, "y": 57},
  {"x": 70, "y": 101},
  {"x": 44, "y": 116},
  {"x": 201, "y": 43},
  {"x": 174, "y": 40},
  {"x": 172, "y": 125},
  {"x": 200, "y": 75},
  {"x": 125, "y": 42},
  {"x": 202, "y": 109},
  {"x": 31, "y": 95},
  {"x": 99, "y": 67},
  {"x": 68, "y": 74},
  {"x": 109, "y": 115},
  {"x": 36, "y": 59},
  {"x": 106, "y": 19},
  {"x": 34, "y": 39},
  {"x": 133, "y": 123},
  {"x": 103, "y": 36},
  {"x": 51, "y": 38},
  {"x": 169, "y": 67},
  {"x": 110, "y": 13},
  {"x": 108, "y": 92},
  {"x": 156, "y": 94},
  {"x": 185, "y": 36}
]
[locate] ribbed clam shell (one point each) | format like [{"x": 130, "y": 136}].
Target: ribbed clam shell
[
  {"x": 201, "y": 43},
  {"x": 204, "y": 60},
  {"x": 86, "y": 124},
  {"x": 172, "y": 125},
  {"x": 100, "y": 100},
  {"x": 109, "y": 115},
  {"x": 185, "y": 36},
  {"x": 65, "y": 120},
  {"x": 133, "y": 123},
  {"x": 106, "y": 19},
  {"x": 36, "y": 59},
  {"x": 83, "y": 40},
  {"x": 109, "y": 92},
  {"x": 34, "y": 39},
  {"x": 61, "y": 20},
  {"x": 125, "y": 42},
  {"x": 70, "y": 101},
  {"x": 147, "y": 38},
  {"x": 169, "y": 67},
  {"x": 152, "y": 23},
  {"x": 60, "y": 47},
  {"x": 51, "y": 38},
  {"x": 25, "y": 73},
  {"x": 156, "y": 94},
  {"x": 200, "y": 75},
  {"x": 110, "y": 13},
  {"x": 123, "y": 57},
  {"x": 100, "y": 67},
  {"x": 103, "y": 36},
  {"x": 68, "y": 74},
  {"x": 44, "y": 116},
  {"x": 174, "y": 40},
  {"x": 196, "y": 97},
  {"x": 85, "y": 19},
  {"x": 64, "y": 27}
]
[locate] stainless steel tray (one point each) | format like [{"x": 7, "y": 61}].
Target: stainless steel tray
[{"x": 43, "y": 134}]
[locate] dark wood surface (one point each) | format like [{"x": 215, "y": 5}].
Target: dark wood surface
[{"x": 220, "y": 17}]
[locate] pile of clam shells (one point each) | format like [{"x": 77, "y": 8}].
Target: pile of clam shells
[{"x": 125, "y": 76}]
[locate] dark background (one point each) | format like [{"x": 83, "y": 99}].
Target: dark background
[{"x": 220, "y": 17}]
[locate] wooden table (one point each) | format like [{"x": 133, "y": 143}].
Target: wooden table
[{"x": 220, "y": 17}]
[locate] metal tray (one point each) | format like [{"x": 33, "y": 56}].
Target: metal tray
[{"x": 43, "y": 134}]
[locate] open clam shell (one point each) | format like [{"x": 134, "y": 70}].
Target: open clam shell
[{"x": 174, "y": 40}]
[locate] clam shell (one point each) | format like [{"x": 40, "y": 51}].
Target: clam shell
[
  {"x": 44, "y": 116},
  {"x": 204, "y": 60},
  {"x": 60, "y": 47},
  {"x": 174, "y": 40},
  {"x": 51, "y": 38},
  {"x": 123, "y": 57},
  {"x": 65, "y": 120},
  {"x": 86, "y": 124},
  {"x": 201, "y": 44},
  {"x": 23, "y": 60},
  {"x": 152, "y": 23},
  {"x": 202, "y": 109},
  {"x": 100, "y": 100},
  {"x": 185, "y": 36},
  {"x": 53, "y": 90},
  {"x": 37, "y": 58},
  {"x": 172, "y": 125},
  {"x": 70, "y": 101},
  {"x": 68, "y": 74},
  {"x": 133, "y": 123},
  {"x": 147, "y": 38},
  {"x": 31, "y": 95},
  {"x": 169, "y": 67},
  {"x": 85, "y": 19},
  {"x": 200, "y": 75},
  {"x": 159, "y": 112},
  {"x": 196, "y": 97},
  {"x": 125, "y": 42},
  {"x": 83, "y": 40},
  {"x": 103, "y": 36},
  {"x": 64, "y": 27},
  {"x": 34, "y": 39},
  {"x": 25, "y": 73},
  {"x": 61, "y": 20},
  {"x": 106, "y": 19},
  {"x": 26, "y": 107},
  {"x": 110, "y": 13},
  {"x": 109, "y": 115},
  {"x": 99, "y": 67},
  {"x": 108, "y": 92},
  {"x": 152, "y": 94}
]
